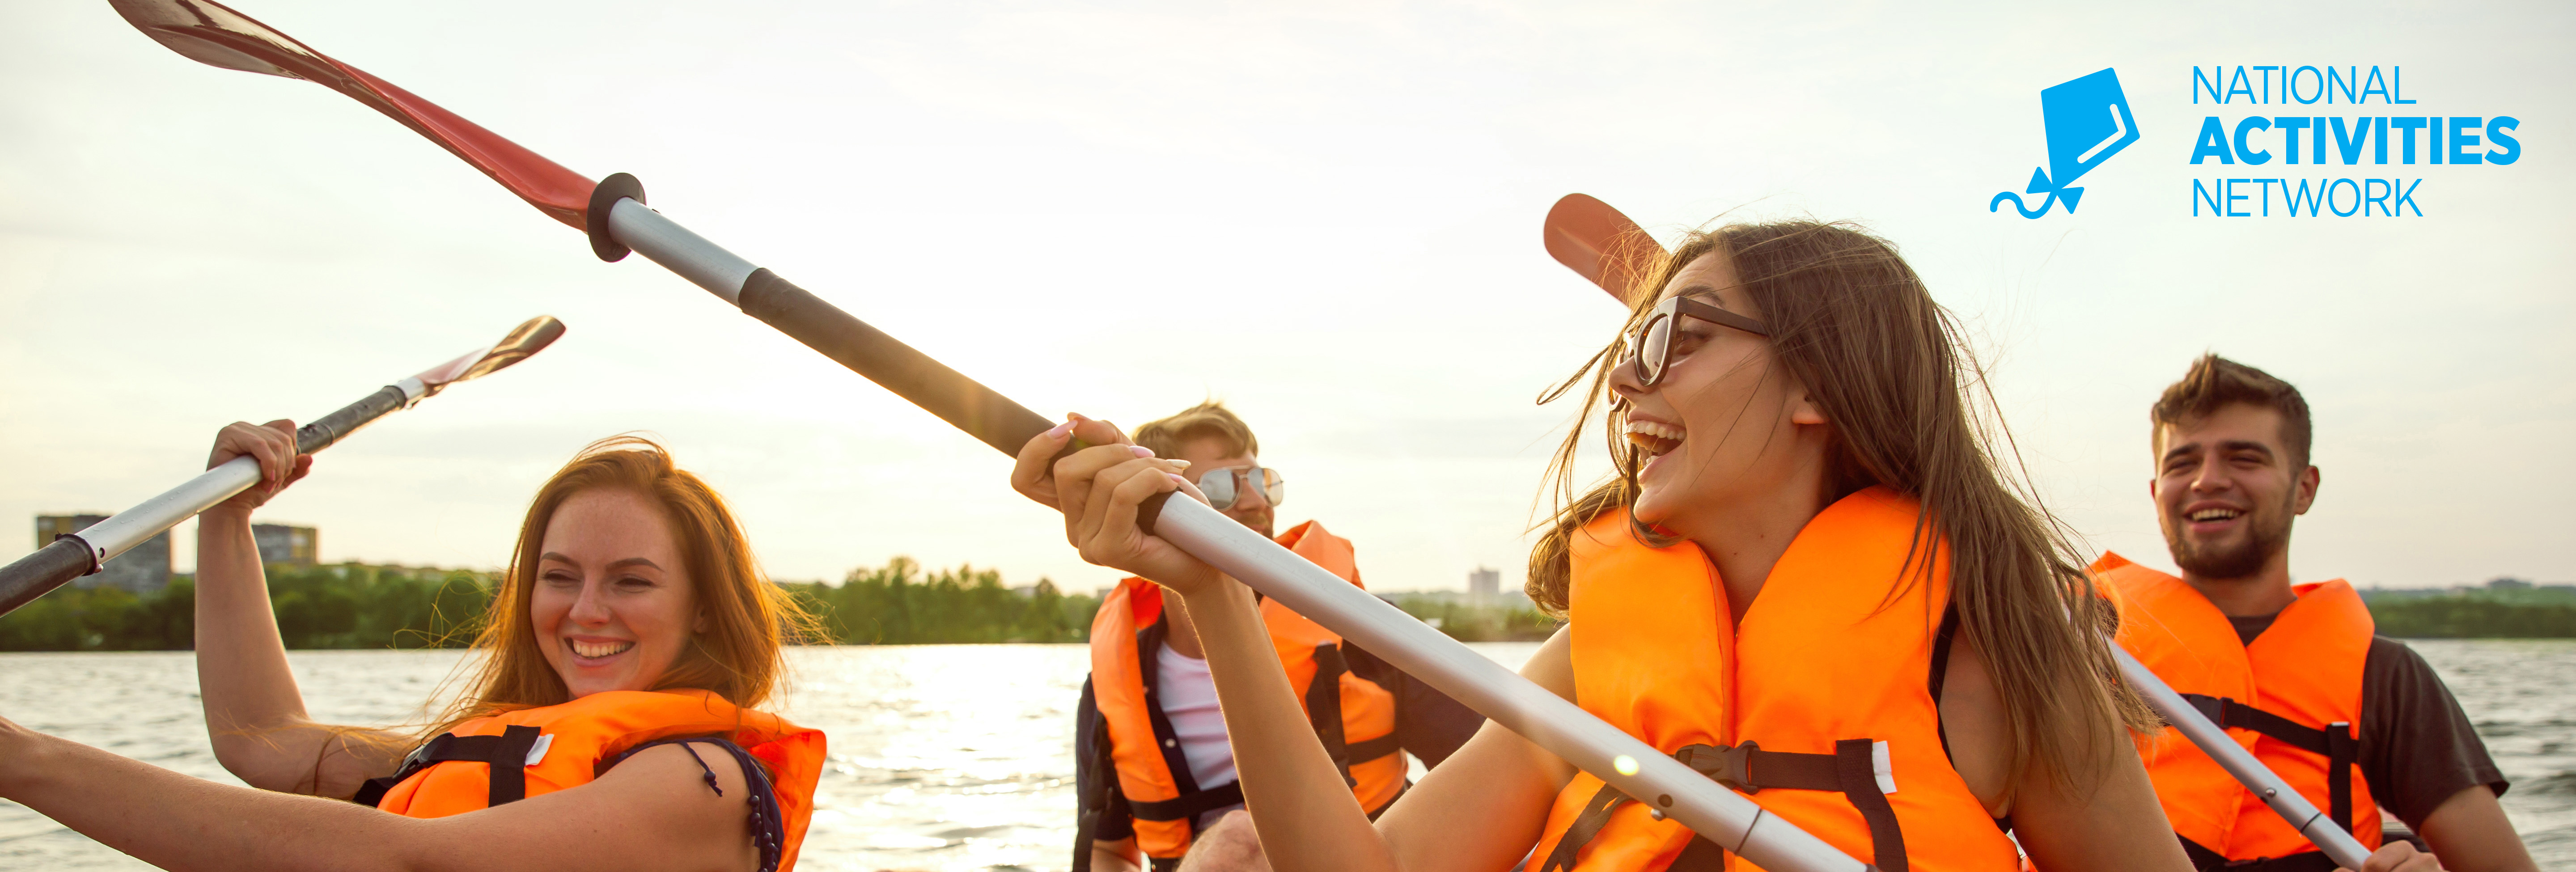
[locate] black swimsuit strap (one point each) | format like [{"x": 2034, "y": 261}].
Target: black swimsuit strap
[{"x": 767, "y": 821}]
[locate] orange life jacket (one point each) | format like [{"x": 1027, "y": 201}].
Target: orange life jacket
[
  {"x": 560, "y": 747},
  {"x": 1817, "y": 705},
  {"x": 2291, "y": 698},
  {"x": 1354, "y": 716}
]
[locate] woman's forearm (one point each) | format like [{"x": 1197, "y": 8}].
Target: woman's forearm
[
  {"x": 656, "y": 810},
  {"x": 179, "y": 822},
  {"x": 1303, "y": 810}
]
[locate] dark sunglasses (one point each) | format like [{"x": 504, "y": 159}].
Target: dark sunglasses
[
  {"x": 1654, "y": 342},
  {"x": 1221, "y": 485}
]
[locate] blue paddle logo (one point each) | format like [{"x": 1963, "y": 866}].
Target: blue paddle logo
[{"x": 2088, "y": 121}]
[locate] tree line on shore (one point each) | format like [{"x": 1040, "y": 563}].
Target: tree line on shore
[{"x": 355, "y": 606}]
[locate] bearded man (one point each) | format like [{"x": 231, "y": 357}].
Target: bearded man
[{"x": 2356, "y": 722}]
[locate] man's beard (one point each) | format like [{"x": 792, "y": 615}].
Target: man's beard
[{"x": 2223, "y": 561}]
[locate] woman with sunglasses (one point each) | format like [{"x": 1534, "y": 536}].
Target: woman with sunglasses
[
  {"x": 1809, "y": 580},
  {"x": 1154, "y": 771}
]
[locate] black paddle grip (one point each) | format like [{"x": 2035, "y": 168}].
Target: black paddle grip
[
  {"x": 330, "y": 428},
  {"x": 603, "y": 200},
  {"x": 39, "y": 573},
  {"x": 962, "y": 402}
]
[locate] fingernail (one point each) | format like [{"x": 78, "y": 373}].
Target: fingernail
[
  {"x": 1141, "y": 451},
  {"x": 1060, "y": 430},
  {"x": 1176, "y": 478}
]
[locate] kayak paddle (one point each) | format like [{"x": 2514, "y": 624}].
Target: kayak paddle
[
  {"x": 1598, "y": 243},
  {"x": 1583, "y": 233},
  {"x": 73, "y": 555},
  {"x": 613, "y": 213}
]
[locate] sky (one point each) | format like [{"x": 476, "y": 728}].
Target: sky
[{"x": 1326, "y": 214}]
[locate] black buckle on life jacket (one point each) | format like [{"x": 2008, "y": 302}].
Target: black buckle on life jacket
[
  {"x": 506, "y": 753},
  {"x": 2336, "y": 743}
]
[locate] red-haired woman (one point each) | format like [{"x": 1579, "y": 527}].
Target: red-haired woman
[
  {"x": 608, "y": 725},
  {"x": 1809, "y": 580}
]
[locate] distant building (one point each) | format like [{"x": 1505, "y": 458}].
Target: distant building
[
  {"x": 1484, "y": 586},
  {"x": 143, "y": 569},
  {"x": 286, "y": 545}
]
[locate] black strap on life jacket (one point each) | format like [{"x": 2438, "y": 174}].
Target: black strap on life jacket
[
  {"x": 1092, "y": 794},
  {"x": 2206, "y": 860},
  {"x": 1324, "y": 708},
  {"x": 1748, "y": 768},
  {"x": 2336, "y": 743},
  {"x": 506, "y": 753}
]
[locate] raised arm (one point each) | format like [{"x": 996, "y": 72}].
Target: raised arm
[
  {"x": 1480, "y": 812},
  {"x": 254, "y": 712},
  {"x": 653, "y": 811}
]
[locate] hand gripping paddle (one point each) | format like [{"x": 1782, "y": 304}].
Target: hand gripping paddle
[
  {"x": 74, "y": 555},
  {"x": 1598, "y": 243},
  {"x": 613, "y": 213}
]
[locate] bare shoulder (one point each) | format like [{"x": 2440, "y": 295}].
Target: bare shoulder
[
  {"x": 682, "y": 772},
  {"x": 654, "y": 810},
  {"x": 1553, "y": 666},
  {"x": 1973, "y": 718}
]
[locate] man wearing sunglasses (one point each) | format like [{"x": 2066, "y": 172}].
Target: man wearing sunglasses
[{"x": 1154, "y": 772}]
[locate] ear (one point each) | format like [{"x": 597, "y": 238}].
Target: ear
[
  {"x": 699, "y": 625},
  {"x": 1803, "y": 409},
  {"x": 2304, "y": 493}
]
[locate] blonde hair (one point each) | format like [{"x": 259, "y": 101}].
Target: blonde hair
[{"x": 1207, "y": 420}]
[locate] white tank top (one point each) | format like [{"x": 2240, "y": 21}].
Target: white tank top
[{"x": 1188, "y": 694}]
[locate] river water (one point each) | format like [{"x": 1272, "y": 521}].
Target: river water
[{"x": 953, "y": 757}]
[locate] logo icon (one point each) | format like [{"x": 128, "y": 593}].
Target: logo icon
[{"x": 2088, "y": 121}]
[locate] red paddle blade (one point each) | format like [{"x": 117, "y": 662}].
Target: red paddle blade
[
  {"x": 212, "y": 33},
  {"x": 1598, "y": 243}
]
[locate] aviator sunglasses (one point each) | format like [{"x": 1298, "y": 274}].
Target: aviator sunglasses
[
  {"x": 1654, "y": 355},
  {"x": 1220, "y": 484}
]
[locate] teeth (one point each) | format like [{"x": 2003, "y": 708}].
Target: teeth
[
  {"x": 1654, "y": 437},
  {"x": 2214, "y": 514},
  {"x": 1657, "y": 430},
  {"x": 598, "y": 649}
]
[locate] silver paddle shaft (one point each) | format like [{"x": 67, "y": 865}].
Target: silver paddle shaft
[
  {"x": 2328, "y": 835},
  {"x": 121, "y": 532},
  {"x": 1547, "y": 720},
  {"x": 1537, "y": 714}
]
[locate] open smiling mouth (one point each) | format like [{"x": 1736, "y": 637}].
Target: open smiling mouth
[
  {"x": 1654, "y": 437},
  {"x": 2206, "y": 515},
  {"x": 598, "y": 650}
]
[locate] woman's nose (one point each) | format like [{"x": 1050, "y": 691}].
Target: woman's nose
[
  {"x": 1623, "y": 378},
  {"x": 588, "y": 608}
]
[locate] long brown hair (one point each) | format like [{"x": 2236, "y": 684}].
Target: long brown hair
[
  {"x": 1856, "y": 327},
  {"x": 748, "y": 619}
]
